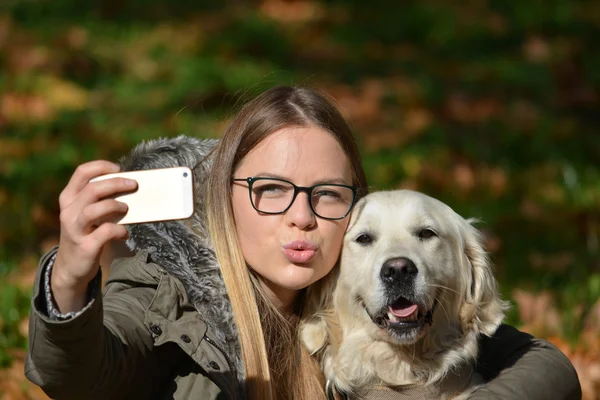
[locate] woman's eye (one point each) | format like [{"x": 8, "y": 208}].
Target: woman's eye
[
  {"x": 364, "y": 238},
  {"x": 271, "y": 189},
  {"x": 426, "y": 234},
  {"x": 327, "y": 193}
]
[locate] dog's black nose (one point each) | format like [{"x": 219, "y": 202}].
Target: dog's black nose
[{"x": 398, "y": 270}]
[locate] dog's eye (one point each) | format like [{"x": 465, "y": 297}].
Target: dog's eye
[
  {"x": 426, "y": 234},
  {"x": 364, "y": 238}
]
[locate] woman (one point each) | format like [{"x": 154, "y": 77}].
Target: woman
[{"x": 283, "y": 180}]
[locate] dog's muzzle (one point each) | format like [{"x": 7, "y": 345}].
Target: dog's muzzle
[{"x": 403, "y": 313}]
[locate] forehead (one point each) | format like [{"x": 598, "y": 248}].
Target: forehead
[
  {"x": 400, "y": 209},
  {"x": 305, "y": 153}
]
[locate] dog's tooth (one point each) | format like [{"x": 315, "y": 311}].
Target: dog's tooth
[{"x": 392, "y": 317}]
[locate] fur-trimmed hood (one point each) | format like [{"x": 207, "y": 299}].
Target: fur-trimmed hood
[{"x": 183, "y": 248}]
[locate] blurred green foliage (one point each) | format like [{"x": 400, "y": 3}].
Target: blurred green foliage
[
  {"x": 491, "y": 106},
  {"x": 14, "y": 303}
]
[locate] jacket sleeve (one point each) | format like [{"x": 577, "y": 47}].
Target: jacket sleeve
[
  {"x": 51, "y": 309},
  {"x": 516, "y": 365},
  {"x": 105, "y": 352}
]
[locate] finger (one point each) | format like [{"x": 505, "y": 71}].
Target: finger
[
  {"x": 95, "y": 241},
  {"x": 82, "y": 176},
  {"x": 96, "y": 191},
  {"x": 72, "y": 217},
  {"x": 95, "y": 214}
]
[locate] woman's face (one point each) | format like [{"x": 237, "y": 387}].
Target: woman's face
[{"x": 290, "y": 251}]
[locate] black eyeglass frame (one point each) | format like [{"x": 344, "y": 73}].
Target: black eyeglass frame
[{"x": 297, "y": 189}]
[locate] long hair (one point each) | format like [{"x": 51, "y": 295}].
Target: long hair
[{"x": 276, "y": 365}]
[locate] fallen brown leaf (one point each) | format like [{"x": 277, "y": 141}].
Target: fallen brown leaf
[
  {"x": 588, "y": 371},
  {"x": 362, "y": 105},
  {"x": 14, "y": 385},
  {"x": 536, "y": 49},
  {"x": 464, "y": 177},
  {"x": 294, "y": 11},
  {"x": 21, "y": 107},
  {"x": 557, "y": 262},
  {"x": 538, "y": 312},
  {"x": 592, "y": 322}
]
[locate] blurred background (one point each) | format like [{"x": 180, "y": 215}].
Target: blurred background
[{"x": 493, "y": 107}]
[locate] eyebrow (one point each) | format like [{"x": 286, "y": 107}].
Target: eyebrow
[{"x": 340, "y": 181}]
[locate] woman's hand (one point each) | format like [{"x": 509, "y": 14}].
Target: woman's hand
[{"x": 86, "y": 215}]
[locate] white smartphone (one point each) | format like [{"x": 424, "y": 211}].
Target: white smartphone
[{"x": 162, "y": 195}]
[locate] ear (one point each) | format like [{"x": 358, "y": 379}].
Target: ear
[{"x": 483, "y": 309}]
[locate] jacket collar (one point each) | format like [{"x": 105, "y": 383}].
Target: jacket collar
[{"x": 183, "y": 248}]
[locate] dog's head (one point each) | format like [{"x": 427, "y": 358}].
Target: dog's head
[
  {"x": 413, "y": 277},
  {"x": 410, "y": 261}
]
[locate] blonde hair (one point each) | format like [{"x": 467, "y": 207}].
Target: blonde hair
[{"x": 271, "y": 369}]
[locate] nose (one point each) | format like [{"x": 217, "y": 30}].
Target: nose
[
  {"x": 300, "y": 214},
  {"x": 398, "y": 270}
]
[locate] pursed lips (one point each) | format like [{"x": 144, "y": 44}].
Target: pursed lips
[{"x": 299, "y": 251}]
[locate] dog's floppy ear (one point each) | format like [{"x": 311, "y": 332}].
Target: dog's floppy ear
[
  {"x": 320, "y": 325},
  {"x": 318, "y": 314},
  {"x": 483, "y": 308}
]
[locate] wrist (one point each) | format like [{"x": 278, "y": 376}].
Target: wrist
[{"x": 63, "y": 282}]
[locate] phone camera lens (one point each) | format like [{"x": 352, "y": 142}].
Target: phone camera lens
[{"x": 185, "y": 174}]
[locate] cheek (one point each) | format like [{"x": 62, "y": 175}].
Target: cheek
[
  {"x": 249, "y": 229},
  {"x": 444, "y": 265},
  {"x": 333, "y": 235}
]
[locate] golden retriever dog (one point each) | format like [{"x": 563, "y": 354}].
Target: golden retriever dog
[{"x": 414, "y": 292}]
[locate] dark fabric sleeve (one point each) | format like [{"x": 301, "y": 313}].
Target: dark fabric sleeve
[
  {"x": 516, "y": 365},
  {"x": 104, "y": 352}
]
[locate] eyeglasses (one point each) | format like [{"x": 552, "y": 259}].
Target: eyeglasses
[{"x": 275, "y": 196}]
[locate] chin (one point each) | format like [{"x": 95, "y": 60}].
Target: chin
[
  {"x": 295, "y": 277},
  {"x": 298, "y": 281}
]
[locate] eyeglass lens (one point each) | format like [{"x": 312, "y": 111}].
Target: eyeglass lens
[{"x": 327, "y": 201}]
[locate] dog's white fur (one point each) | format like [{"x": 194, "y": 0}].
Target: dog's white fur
[{"x": 452, "y": 267}]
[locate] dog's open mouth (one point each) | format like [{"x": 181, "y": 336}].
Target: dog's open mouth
[
  {"x": 403, "y": 311},
  {"x": 404, "y": 315}
]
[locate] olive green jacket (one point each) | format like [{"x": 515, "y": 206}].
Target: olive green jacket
[{"x": 142, "y": 339}]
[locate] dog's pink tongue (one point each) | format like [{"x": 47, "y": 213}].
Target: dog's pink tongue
[{"x": 404, "y": 311}]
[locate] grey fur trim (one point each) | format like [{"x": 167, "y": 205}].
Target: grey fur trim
[{"x": 184, "y": 253}]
